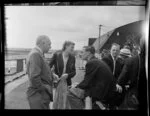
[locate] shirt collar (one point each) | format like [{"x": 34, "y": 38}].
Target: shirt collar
[
  {"x": 113, "y": 58},
  {"x": 39, "y": 49}
]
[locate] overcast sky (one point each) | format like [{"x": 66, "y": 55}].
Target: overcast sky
[{"x": 60, "y": 23}]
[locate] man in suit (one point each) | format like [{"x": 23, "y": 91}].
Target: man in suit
[
  {"x": 64, "y": 62},
  {"x": 115, "y": 64},
  {"x": 137, "y": 88},
  {"x": 39, "y": 92},
  {"x": 113, "y": 61},
  {"x": 131, "y": 65},
  {"x": 129, "y": 75},
  {"x": 125, "y": 53},
  {"x": 98, "y": 80}
]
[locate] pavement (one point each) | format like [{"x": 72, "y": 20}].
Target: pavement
[
  {"x": 16, "y": 98},
  {"x": 15, "y": 92}
]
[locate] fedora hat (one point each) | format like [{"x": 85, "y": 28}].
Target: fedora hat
[{"x": 125, "y": 52}]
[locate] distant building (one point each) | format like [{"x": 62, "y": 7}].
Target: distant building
[
  {"x": 98, "y": 44},
  {"x": 91, "y": 41}
]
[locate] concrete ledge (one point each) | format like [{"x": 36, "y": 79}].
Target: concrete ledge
[
  {"x": 13, "y": 77},
  {"x": 11, "y": 86}
]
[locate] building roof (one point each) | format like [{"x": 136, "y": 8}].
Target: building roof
[
  {"x": 91, "y": 41},
  {"x": 120, "y": 35},
  {"x": 98, "y": 44}
]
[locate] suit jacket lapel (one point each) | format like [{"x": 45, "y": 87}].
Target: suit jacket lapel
[
  {"x": 60, "y": 63},
  {"x": 112, "y": 62},
  {"x": 111, "y": 58}
]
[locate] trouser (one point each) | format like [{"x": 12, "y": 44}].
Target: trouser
[{"x": 37, "y": 101}]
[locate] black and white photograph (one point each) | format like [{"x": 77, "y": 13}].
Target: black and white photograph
[{"x": 68, "y": 56}]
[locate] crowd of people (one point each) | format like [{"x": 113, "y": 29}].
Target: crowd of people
[
  {"x": 110, "y": 82},
  {"x": 122, "y": 67}
]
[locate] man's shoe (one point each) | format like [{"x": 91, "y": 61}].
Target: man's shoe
[{"x": 101, "y": 106}]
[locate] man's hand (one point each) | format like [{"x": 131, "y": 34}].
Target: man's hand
[
  {"x": 48, "y": 88},
  {"x": 127, "y": 87},
  {"x": 64, "y": 76},
  {"x": 119, "y": 88},
  {"x": 52, "y": 69},
  {"x": 55, "y": 77},
  {"x": 74, "y": 85}
]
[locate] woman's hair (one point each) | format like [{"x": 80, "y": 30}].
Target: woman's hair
[{"x": 67, "y": 43}]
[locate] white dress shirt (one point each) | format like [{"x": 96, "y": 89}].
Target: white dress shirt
[
  {"x": 65, "y": 63},
  {"x": 114, "y": 62}
]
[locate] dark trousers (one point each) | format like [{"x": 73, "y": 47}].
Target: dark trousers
[
  {"x": 130, "y": 100},
  {"x": 38, "y": 101},
  {"x": 116, "y": 99}
]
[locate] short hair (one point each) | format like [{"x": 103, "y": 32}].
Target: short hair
[
  {"x": 90, "y": 49},
  {"x": 41, "y": 38},
  {"x": 115, "y": 44},
  {"x": 67, "y": 43}
]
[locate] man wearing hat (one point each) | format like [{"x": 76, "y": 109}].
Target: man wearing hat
[
  {"x": 124, "y": 54},
  {"x": 134, "y": 70}
]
